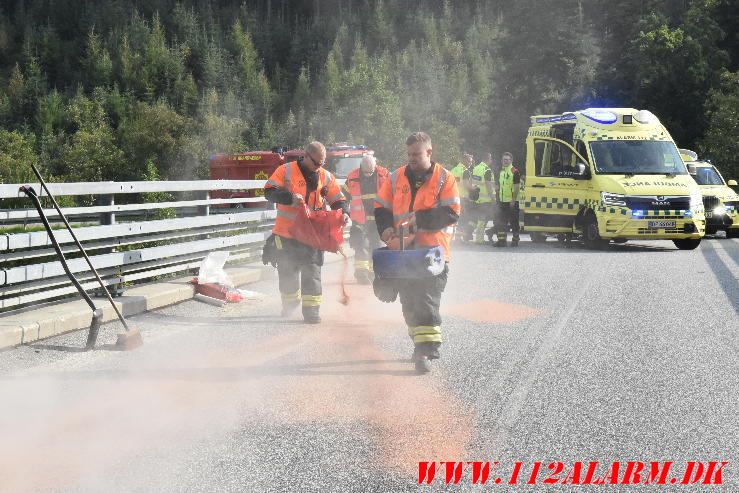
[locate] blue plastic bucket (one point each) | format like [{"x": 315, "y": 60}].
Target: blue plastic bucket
[{"x": 408, "y": 264}]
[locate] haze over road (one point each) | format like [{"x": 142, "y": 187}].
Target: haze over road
[{"x": 551, "y": 353}]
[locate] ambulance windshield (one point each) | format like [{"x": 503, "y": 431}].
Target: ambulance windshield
[
  {"x": 636, "y": 157},
  {"x": 707, "y": 176}
]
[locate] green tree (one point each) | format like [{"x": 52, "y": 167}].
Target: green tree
[
  {"x": 720, "y": 141},
  {"x": 91, "y": 153},
  {"x": 16, "y": 156}
]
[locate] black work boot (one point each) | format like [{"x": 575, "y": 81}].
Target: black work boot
[
  {"x": 288, "y": 308},
  {"x": 423, "y": 353},
  {"x": 432, "y": 350},
  {"x": 514, "y": 241},
  {"x": 310, "y": 315}
]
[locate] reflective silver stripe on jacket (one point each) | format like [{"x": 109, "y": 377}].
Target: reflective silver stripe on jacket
[
  {"x": 394, "y": 179},
  {"x": 288, "y": 172},
  {"x": 400, "y": 217},
  {"x": 442, "y": 180},
  {"x": 453, "y": 200},
  {"x": 273, "y": 183},
  {"x": 448, "y": 230},
  {"x": 284, "y": 214},
  {"x": 383, "y": 203}
]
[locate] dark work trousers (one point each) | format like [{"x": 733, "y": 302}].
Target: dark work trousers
[
  {"x": 299, "y": 271},
  {"x": 507, "y": 219},
  {"x": 467, "y": 219},
  {"x": 420, "y": 299},
  {"x": 364, "y": 241}
]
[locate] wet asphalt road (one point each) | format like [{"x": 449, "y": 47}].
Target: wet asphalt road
[{"x": 551, "y": 353}]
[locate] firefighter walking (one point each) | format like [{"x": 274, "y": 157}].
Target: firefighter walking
[
  {"x": 509, "y": 180},
  {"x": 298, "y": 264},
  {"x": 361, "y": 188},
  {"x": 424, "y": 196}
]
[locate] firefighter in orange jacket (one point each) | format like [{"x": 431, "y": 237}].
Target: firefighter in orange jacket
[
  {"x": 361, "y": 187},
  {"x": 425, "y": 196},
  {"x": 298, "y": 264}
]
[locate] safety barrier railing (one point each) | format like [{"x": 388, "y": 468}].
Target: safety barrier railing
[{"x": 138, "y": 247}]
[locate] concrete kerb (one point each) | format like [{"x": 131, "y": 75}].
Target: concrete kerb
[{"x": 59, "y": 318}]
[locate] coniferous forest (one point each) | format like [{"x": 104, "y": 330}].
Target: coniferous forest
[{"x": 149, "y": 89}]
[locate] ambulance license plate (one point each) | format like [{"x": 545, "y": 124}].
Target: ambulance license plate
[
  {"x": 660, "y": 224},
  {"x": 709, "y": 214}
]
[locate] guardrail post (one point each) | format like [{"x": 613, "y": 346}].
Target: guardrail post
[
  {"x": 203, "y": 210},
  {"x": 107, "y": 218}
]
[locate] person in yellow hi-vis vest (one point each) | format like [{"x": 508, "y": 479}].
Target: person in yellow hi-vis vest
[
  {"x": 482, "y": 177},
  {"x": 509, "y": 181},
  {"x": 361, "y": 187},
  {"x": 468, "y": 194}
]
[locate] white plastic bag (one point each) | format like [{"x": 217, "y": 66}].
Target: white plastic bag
[{"x": 211, "y": 269}]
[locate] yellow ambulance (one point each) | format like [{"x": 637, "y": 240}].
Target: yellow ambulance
[
  {"x": 720, "y": 202},
  {"x": 609, "y": 174}
]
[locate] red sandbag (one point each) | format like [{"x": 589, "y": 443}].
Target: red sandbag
[
  {"x": 217, "y": 290},
  {"x": 319, "y": 229}
]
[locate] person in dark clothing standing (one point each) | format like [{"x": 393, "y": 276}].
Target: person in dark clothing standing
[
  {"x": 298, "y": 264},
  {"x": 509, "y": 181}
]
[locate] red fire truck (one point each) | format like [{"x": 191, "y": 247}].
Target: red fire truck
[{"x": 259, "y": 165}]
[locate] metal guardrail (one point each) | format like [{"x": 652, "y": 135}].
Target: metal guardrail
[{"x": 134, "y": 251}]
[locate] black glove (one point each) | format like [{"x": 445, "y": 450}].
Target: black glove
[
  {"x": 386, "y": 290},
  {"x": 474, "y": 194},
  {"x": 269, "y": 251}
]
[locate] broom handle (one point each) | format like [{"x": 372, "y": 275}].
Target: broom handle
[{"x": 79, "y": 245}]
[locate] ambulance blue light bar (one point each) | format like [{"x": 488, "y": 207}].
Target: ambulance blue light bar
[
  {"x": 556, "y": 118},
  {"x": 600, "y": 116}
]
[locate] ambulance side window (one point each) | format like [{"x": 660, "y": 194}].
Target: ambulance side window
[
  {"x": 540, "y": 150},
  {"x": 581, "y": 149},
  {"x": 553, "y": 159}
]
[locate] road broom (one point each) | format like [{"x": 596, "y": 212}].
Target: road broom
[{"x": 128, "y": 340}]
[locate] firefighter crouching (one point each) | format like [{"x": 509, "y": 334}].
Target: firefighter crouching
[
  {"x": 509, "y": 181},
  {"x": 299, "y": 265},
  {"x": 361, "y": 188},
  {"x": 425, "y": 196}
]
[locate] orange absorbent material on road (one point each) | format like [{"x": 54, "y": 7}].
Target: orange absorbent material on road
[{"x": 319, "y": 229}]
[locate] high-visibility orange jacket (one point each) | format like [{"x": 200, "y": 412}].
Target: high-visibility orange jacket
[
  {"x": 289, "y": 177},
  {"x": 353, "y": 186},
  {"x": 439, "y": 190}
]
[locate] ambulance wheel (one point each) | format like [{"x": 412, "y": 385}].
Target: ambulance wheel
[
  {"x": 538, "y": 237},
  {"x": 591, "y": 235},
  {"x": 687, "y": 243}
]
